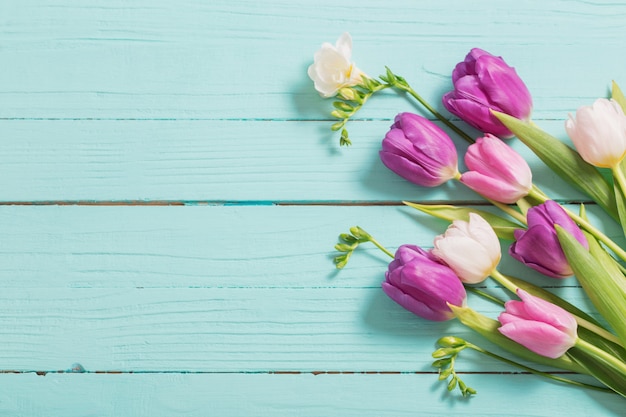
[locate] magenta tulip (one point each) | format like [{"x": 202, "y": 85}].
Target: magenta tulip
[
  {"x": 419, "y": 151},
  {"x": 482, "y": 83},
  {"x": 538, "y": 325},
  {"x": 496, "y": 171},
  {"x": 539, "y": 247},
  {"x": 422, "y": 285}
]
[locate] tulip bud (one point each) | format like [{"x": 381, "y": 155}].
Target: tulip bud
[
  {"x": 599, "y": 133},
  {"x": 484, "y": 82},
  {"x": 471, "y": 249},
  {"x": 332, "y": 68},
  {"x": 419, "y": 151},
  {"x": 496, "y": 171},
  {"x": 539, "y": 247},
  {"x": 538, "y": 325},
  {"x": 423, "y": 286}
]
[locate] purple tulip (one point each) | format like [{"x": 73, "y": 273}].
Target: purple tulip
[
  {"x": 496, "y": 171},
  {"x": 538, "y": 325},
  {"x": 422, "y": 285},
  {"x": 484, "y": 82},
  {"x": 539, "y": 247},
  {"x": 419, "y": 151}
]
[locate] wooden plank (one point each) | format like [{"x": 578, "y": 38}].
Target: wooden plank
[
  {"x": 193, "y": 59},
  {"x": 208, "y": 246},
  {"x": 217, "y": 161},
  {"x": 211, "y": 288},
  {"x": 156, "y": 395}
]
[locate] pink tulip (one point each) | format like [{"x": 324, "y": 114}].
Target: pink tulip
[
  {"x": 538, "y": 325},
  {"x": 496, "y": 171}
]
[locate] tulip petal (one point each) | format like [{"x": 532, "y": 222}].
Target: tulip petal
[
  {"x": 538, "y": 337},
  {"x": 503, "y": 86},
  {"x": 492, "y": 188},
  {"x": 539, "y": 248},
  {"x": 541, "y": 310},
  {"x": 414, "y": 306}
]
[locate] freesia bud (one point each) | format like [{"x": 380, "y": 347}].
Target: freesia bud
[
  {"x": 496, "y": 171},
  {"x": 538, "y": 325},
  {"x": 483, "y": 82},
  {"x": 423, "y": 286},
  {"x": 471, "y": 249},
  {"x": 332, "y": 68},
  {"x": 539, "y": 247},
  {"x": 419, "y": 151},
  {"x": 599, "y": 133}
]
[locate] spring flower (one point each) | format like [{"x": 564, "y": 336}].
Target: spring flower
[
  {"x": 471, "y": 249},
  {"x": 539, "y": 247},
  {"x": 483, "y": 82},
  {"x": 419, "y": 151},
  {"x": 496, "y": 171},
  {"x": 599, "y": 133},
  {"x": 332, "y": 68},
  {"x": 423, "y": 286},
  {"x": 538, "y": 325}
]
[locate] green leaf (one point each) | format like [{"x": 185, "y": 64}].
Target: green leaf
[
  {"x": 554, "y": 299},
  {"x": 620, "y": 201},
  {"x": 504, "y": 228},
  {"x": 601, "y": 370},
  {"x": 603, "y": 282},
  {"x": 488, "y": 328},
  {"x": 564, "y": 161},
  {"x": 617, "y": 95}
]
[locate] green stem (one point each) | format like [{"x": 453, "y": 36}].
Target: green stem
[
  {"x": 510, "y": 211},
  {"x": 589, "y": 228},
  {"x": 537, "y": 372},
  {"x": 619, "y": 178},
  {"x": 602, "y": 355},
  {"x": 486, "y": 296},
  {"x": 434, "y": 112},
  {"x": 381, "y": 247},
  {"x": 504, "y": 281}
]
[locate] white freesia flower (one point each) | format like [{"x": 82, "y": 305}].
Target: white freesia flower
[
  {"x": 332, "y": 68},
  {"x": 471, "y": 249},
  {"x": 599, "y": 133}
]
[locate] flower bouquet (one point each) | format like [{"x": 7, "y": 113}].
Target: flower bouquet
[{"x": 534, "y": 325}]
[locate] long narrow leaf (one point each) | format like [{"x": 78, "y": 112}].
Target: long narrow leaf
[
  {"x": 617, "y": 95},
  {"x": 600, "y": 279},
  {"x": 504, "y": 228},
  {"x": 600, "y": 370},
  {"x": 564, "y": 161}
]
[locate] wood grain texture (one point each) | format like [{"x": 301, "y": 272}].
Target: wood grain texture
[
  {"x": 242, "y": 61},
  {"x": 239, "y": 395},
  {"x": 217, "y": 162},
  {"x": 171, "y": 193}
]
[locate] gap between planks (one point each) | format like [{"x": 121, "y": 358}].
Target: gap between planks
[{"x": 245, "y": 203}]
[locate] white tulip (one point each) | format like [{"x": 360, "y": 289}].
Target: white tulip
[
  {"x": 471, "y": 249},
  {"x": 332, "y": 68},
  {"x": 599, "y": 133}
]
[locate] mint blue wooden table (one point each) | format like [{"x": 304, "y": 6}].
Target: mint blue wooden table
[{"x": 171, "y": 194}]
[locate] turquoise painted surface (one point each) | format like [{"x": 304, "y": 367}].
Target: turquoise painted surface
[{"x": 151, "y": 154}]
